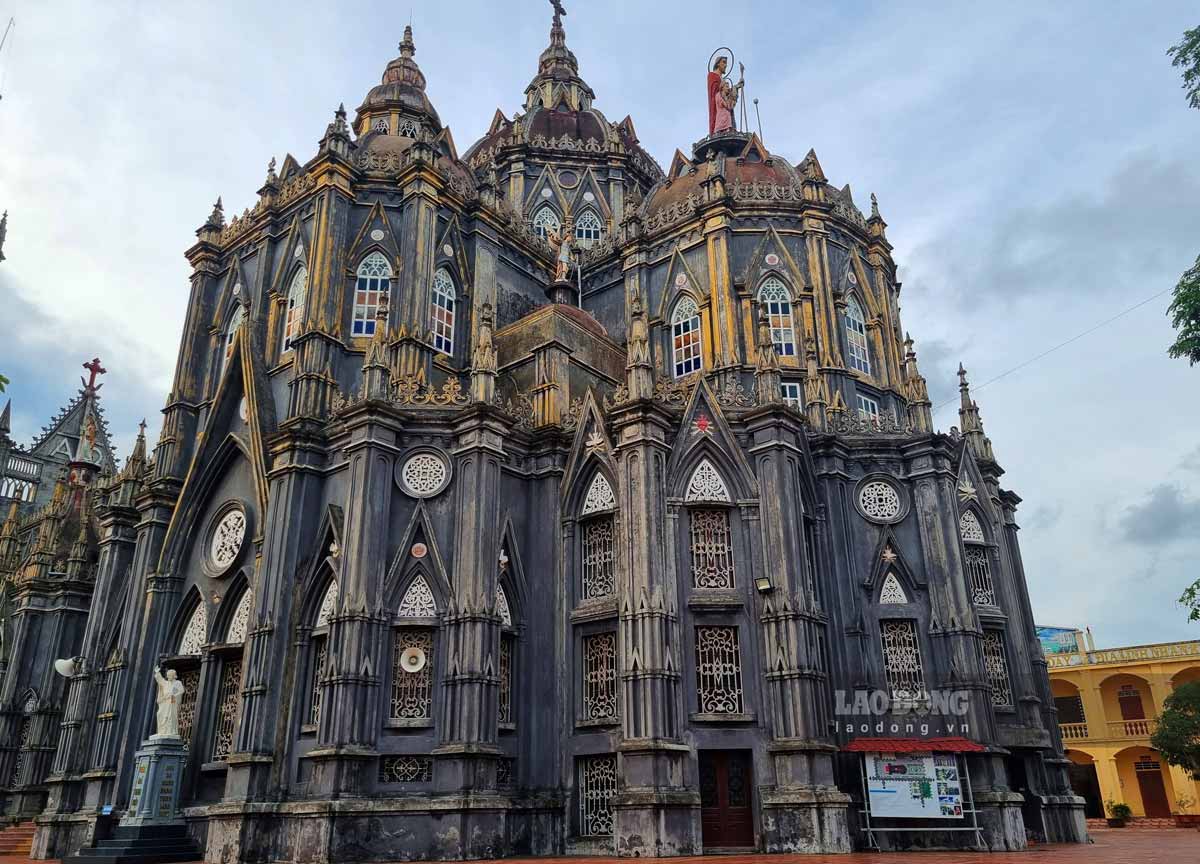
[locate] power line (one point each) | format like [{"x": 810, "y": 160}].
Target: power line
[{"x": 1049, "y": 351}]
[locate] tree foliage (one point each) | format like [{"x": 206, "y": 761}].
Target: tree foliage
[
  {"x": 1185, "y": 315},
  {"x": 3, "y": 383},
  {"x": 1178, "y": 735},
  {"x": 1186, "y": 56}
]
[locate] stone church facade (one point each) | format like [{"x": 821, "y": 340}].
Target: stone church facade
[{"x": 456, "y": 560}]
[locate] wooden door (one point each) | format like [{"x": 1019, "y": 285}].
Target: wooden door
[
  {"x": 1130, "y": 701},
  {"x": 1154, "y": 793},
  {"x": 726, "y": 791}
]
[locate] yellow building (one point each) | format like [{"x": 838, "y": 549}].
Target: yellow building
[{"x": 1108, "y": 706}]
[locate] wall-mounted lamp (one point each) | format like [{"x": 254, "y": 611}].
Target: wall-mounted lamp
[{"x": 763, "y": 584}]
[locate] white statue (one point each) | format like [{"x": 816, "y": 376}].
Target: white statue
[{"x": 170, "y": 697}]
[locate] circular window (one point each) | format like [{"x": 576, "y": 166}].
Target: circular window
[
  {"x": 227, "y": 539},
  {"x": 424, "y": 474},
  {"x": 879, "y": 501},
  {"x": 568, "y": 178}
]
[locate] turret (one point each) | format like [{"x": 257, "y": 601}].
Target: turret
[{"x": 970, "y": 422}]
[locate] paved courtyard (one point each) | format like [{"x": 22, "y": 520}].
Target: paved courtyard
[{"x": 1165, "y": 846}]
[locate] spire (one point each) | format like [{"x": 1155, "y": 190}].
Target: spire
[
  {"x": 766, "y": 373},
  {"x": 483, "y": 360},
  {"x": 875, "y": 223},
  {"x": 376, "y": 374},
  {"x": 639, "y": 372},
  {"x": 337, "y": 134},
  {"x": 77, "y": 558},
  {"x": 558, "y": 72},
  {"x": 6, "y": 418},
  {"x": 970, "y": 421},
  {"x": 216, "y": 219},
  {"x": 920, "y": 412},
  {"x": 3, "y": 232}
]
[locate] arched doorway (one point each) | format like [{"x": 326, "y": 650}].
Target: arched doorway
[
  {"x": 1146, "y": 782},
  {"x": 1085, "y": 783}
]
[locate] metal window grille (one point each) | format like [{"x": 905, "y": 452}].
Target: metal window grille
[
  {"x": 979, "y": 575},
  {"x": 412, "y": 692},
  {"x": 405, "y": 769},
  {"x": 685, "y": 336},
  {"x": 374, "y": 281},
  {"x": 778, "y": 305},
  {"x": 996, "y": 665},
  {"x": 190, "y": 678},
  {"x": 856, "y": 337},
  {"x": 506, "y": 772},
  {"x": 718, "y": 670},
  {"x": 228, "y": 705},
  {"x": 442, "y": 312},
  {"x": 599, "y": 558},
  {"x": 319, "y": 655},
  {"x": 22, "y": 743},
  {"x": 712, "y": 548},
  {"x": 506, "y": 679},
  {"x": 902, "y": 660},
  {"x": 600, "y": 676},
  {"x": 597, "y": 786}
]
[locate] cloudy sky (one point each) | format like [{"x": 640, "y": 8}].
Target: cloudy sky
[{"x": 1036, "y": 164}]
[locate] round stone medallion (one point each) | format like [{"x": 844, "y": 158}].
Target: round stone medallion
[
  {"x": 879, "y": 501},
  {"x": 227, "y": 537},
  {"x": 423, "y": 474},
  {"x": 377, "y": 235}
]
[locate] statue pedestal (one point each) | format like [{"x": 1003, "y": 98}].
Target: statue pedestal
[
  {"x": 563, "y": 291},
  {"x": 157, "y": 774}
]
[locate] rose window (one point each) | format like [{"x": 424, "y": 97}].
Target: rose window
[
  {"x": 423, "y": 474},
  {"x": 227, "y": 539},
  {"x": 880, "y": 501}
]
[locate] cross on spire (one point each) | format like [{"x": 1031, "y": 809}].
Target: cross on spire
[
  {"x": 95, "y": 369},
  {"x": 559, "y": 11}
]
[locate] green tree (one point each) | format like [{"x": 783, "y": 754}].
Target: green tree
[
  {"x": 1185, "y": 316},
  {"x": 1177, "y": 737},
  {"x": 1186, "y": 56},
  {"x": 3, "y": 383}
]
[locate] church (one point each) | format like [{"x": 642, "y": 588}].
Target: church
[{"x": 537, "y": 500}]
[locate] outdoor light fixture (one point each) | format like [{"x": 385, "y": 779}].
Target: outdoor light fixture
[{"x": 763, "y": 584}]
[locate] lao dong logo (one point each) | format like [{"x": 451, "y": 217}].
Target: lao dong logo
[{"x": 902, "y": 709}]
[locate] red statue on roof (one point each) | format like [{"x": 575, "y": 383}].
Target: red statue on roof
[{"x": 722, "y": 93}]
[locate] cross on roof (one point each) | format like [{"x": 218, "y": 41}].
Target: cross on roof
[{"x": 95, "y": 369}]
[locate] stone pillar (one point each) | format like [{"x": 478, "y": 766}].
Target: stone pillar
[
  {"x": 802, "y": 810},
  {"x": 349, "y": 727},
  {"x": 657, "y": 811}
]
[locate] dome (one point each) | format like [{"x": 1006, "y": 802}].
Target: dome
[{"x": 402, "y": 89}]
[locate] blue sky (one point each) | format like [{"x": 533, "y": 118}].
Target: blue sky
[{"x": 1035, "y": 163}]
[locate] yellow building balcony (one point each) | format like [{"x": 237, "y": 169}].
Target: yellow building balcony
[
  {"x": 1132, "y": 728},
  {"x": 1073, "y": 731}
]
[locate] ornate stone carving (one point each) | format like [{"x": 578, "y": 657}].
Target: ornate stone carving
[
  {"x": 599, "y": 496},
  {"x": 227, "y": 538},
  {"x": 413, "y": 392},
  {"x": 892, "y": 591},
  {"x": 879, "y": 501},
  {"x": 706, "y": 485},
  {"x": 424, "y": 474},
  {"x": 196, "y": 632},
  {"x": 970, "y": 529},
  {"x": 418, "y": 600}
]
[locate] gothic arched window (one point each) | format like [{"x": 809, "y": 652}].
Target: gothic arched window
[
  {"x": 710, "y": 533},
  {"x": 297, "y": 295},
  {"x": 856, "y": 336},
  {"x": 599, "y": 546},
  {"x": 588, "y": 228},
  {"x": 441, "y": 311},
  {"x": 777, "y": 303},
  {"x": 546, "y": 220},
  {"x": 685, "y": 338},
  {"x": 374, "y": 281},
  {"x": 229, "y": 688},
  {"x": 408, "y": 127},
  {"x": 319, "y": 652},
  {"x": 508, "y": 658},
  {"x": 412, "y": 655},
  {"x": 977, "y": 560},
  {"x": 236, "y": 317}
]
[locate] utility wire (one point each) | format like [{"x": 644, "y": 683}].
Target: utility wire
[{"x": 1049, "y": 351}]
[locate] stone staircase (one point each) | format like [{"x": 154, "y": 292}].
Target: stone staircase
[
  {"x": 17, "y": 840},
  {"x": 147, "y": 844}
]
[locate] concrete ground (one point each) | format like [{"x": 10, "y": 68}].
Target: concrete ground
[{"x": 1121, "y": 846}]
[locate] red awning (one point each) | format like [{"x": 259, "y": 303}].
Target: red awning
[{"x": 914, "y": 745}]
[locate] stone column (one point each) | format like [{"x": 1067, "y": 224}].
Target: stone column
[{"x": 657, "y": 809}]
